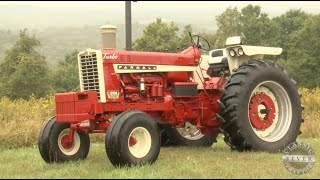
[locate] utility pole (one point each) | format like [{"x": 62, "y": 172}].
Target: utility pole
[{"x": 128, "y": 26}]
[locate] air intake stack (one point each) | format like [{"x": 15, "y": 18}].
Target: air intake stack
[{"x": 108, "y": 33}]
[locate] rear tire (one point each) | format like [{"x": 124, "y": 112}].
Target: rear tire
[
  {"x": 133, "y": 138},
  {"x": 260, "y": 108},
  {"x": 53, "y": 150}
]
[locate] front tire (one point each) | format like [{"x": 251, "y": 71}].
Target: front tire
[
  {"x": 260, "y": 108},
  {"x": 133, "y": 138},
  {"x": 52, "y": 147}
]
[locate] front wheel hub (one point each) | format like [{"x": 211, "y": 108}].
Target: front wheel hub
[
  {"x": 65, "y": 142},
  {"x": 262, "y": 111},
  {"x": 66, "y": 146},
  {"x": 139, "y": 142}
]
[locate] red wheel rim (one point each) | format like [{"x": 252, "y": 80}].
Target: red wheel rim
[
  {"x": 132, "y": 141},
  {"x": 65, "y": 142},
  {"x": 256, "y": 116}
]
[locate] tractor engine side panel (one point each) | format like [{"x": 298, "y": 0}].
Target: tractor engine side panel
[{"x": 157, "y": 89}]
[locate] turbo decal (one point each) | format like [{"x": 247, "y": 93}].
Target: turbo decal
[{"x": 110, "y": 56}]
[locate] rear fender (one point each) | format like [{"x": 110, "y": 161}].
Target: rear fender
[{"x": 250, "y": 52}]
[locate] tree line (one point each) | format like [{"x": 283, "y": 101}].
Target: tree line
[
  {"x": 24, "y": 71},
  {"x": 296, "y": 31}
]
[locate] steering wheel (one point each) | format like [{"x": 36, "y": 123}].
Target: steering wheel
[{"x": 197, "y": 43}]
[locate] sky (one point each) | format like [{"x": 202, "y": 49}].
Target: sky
[{"x": 77, "y": 13}]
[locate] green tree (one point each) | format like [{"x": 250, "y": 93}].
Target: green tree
[
  {"x": 24, "y": 71},
  {"x": 304, "y": 55},
  {"x": 228, "y": 25},
  {"x": 185, "y": 39},
  {"x": 256, "y": 27},
  {"x": 66, "y": 76},
  {"x": 288, "y": 23},
  {"x": 158, "y": 36}
]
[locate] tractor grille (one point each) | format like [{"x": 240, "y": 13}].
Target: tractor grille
[{"x": 89, "y": 73}]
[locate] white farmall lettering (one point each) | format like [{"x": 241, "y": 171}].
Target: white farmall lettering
[
  {"x": 131, "y": 67},
  {"x": 110, "y": 56}
]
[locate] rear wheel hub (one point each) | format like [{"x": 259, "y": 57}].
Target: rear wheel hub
[{"x": 262, "y": 111}]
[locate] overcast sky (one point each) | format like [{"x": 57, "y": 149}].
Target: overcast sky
[{"x": 55, "y": 13}]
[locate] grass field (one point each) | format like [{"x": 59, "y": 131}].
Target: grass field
[{"x": 173, "y": 162}]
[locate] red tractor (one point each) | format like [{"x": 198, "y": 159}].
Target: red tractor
[{"x": 132, "y": 95}]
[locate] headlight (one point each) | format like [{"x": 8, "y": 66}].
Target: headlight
[
  {"x": 240, "y": 51},
  {"x": 232, "y": 52}
]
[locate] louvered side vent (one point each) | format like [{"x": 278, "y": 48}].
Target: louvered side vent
[{"x": 89, "y": 74}]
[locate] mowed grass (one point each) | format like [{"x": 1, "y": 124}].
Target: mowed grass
[{"x": 173, "y": 162}]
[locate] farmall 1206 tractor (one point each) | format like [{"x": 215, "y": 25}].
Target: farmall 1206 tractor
[{"x": 132, "y": 95}]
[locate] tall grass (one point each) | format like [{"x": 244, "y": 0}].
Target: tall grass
[
  {"x": 311, "y": 114},
  {"x": 21, "y": 120}
]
